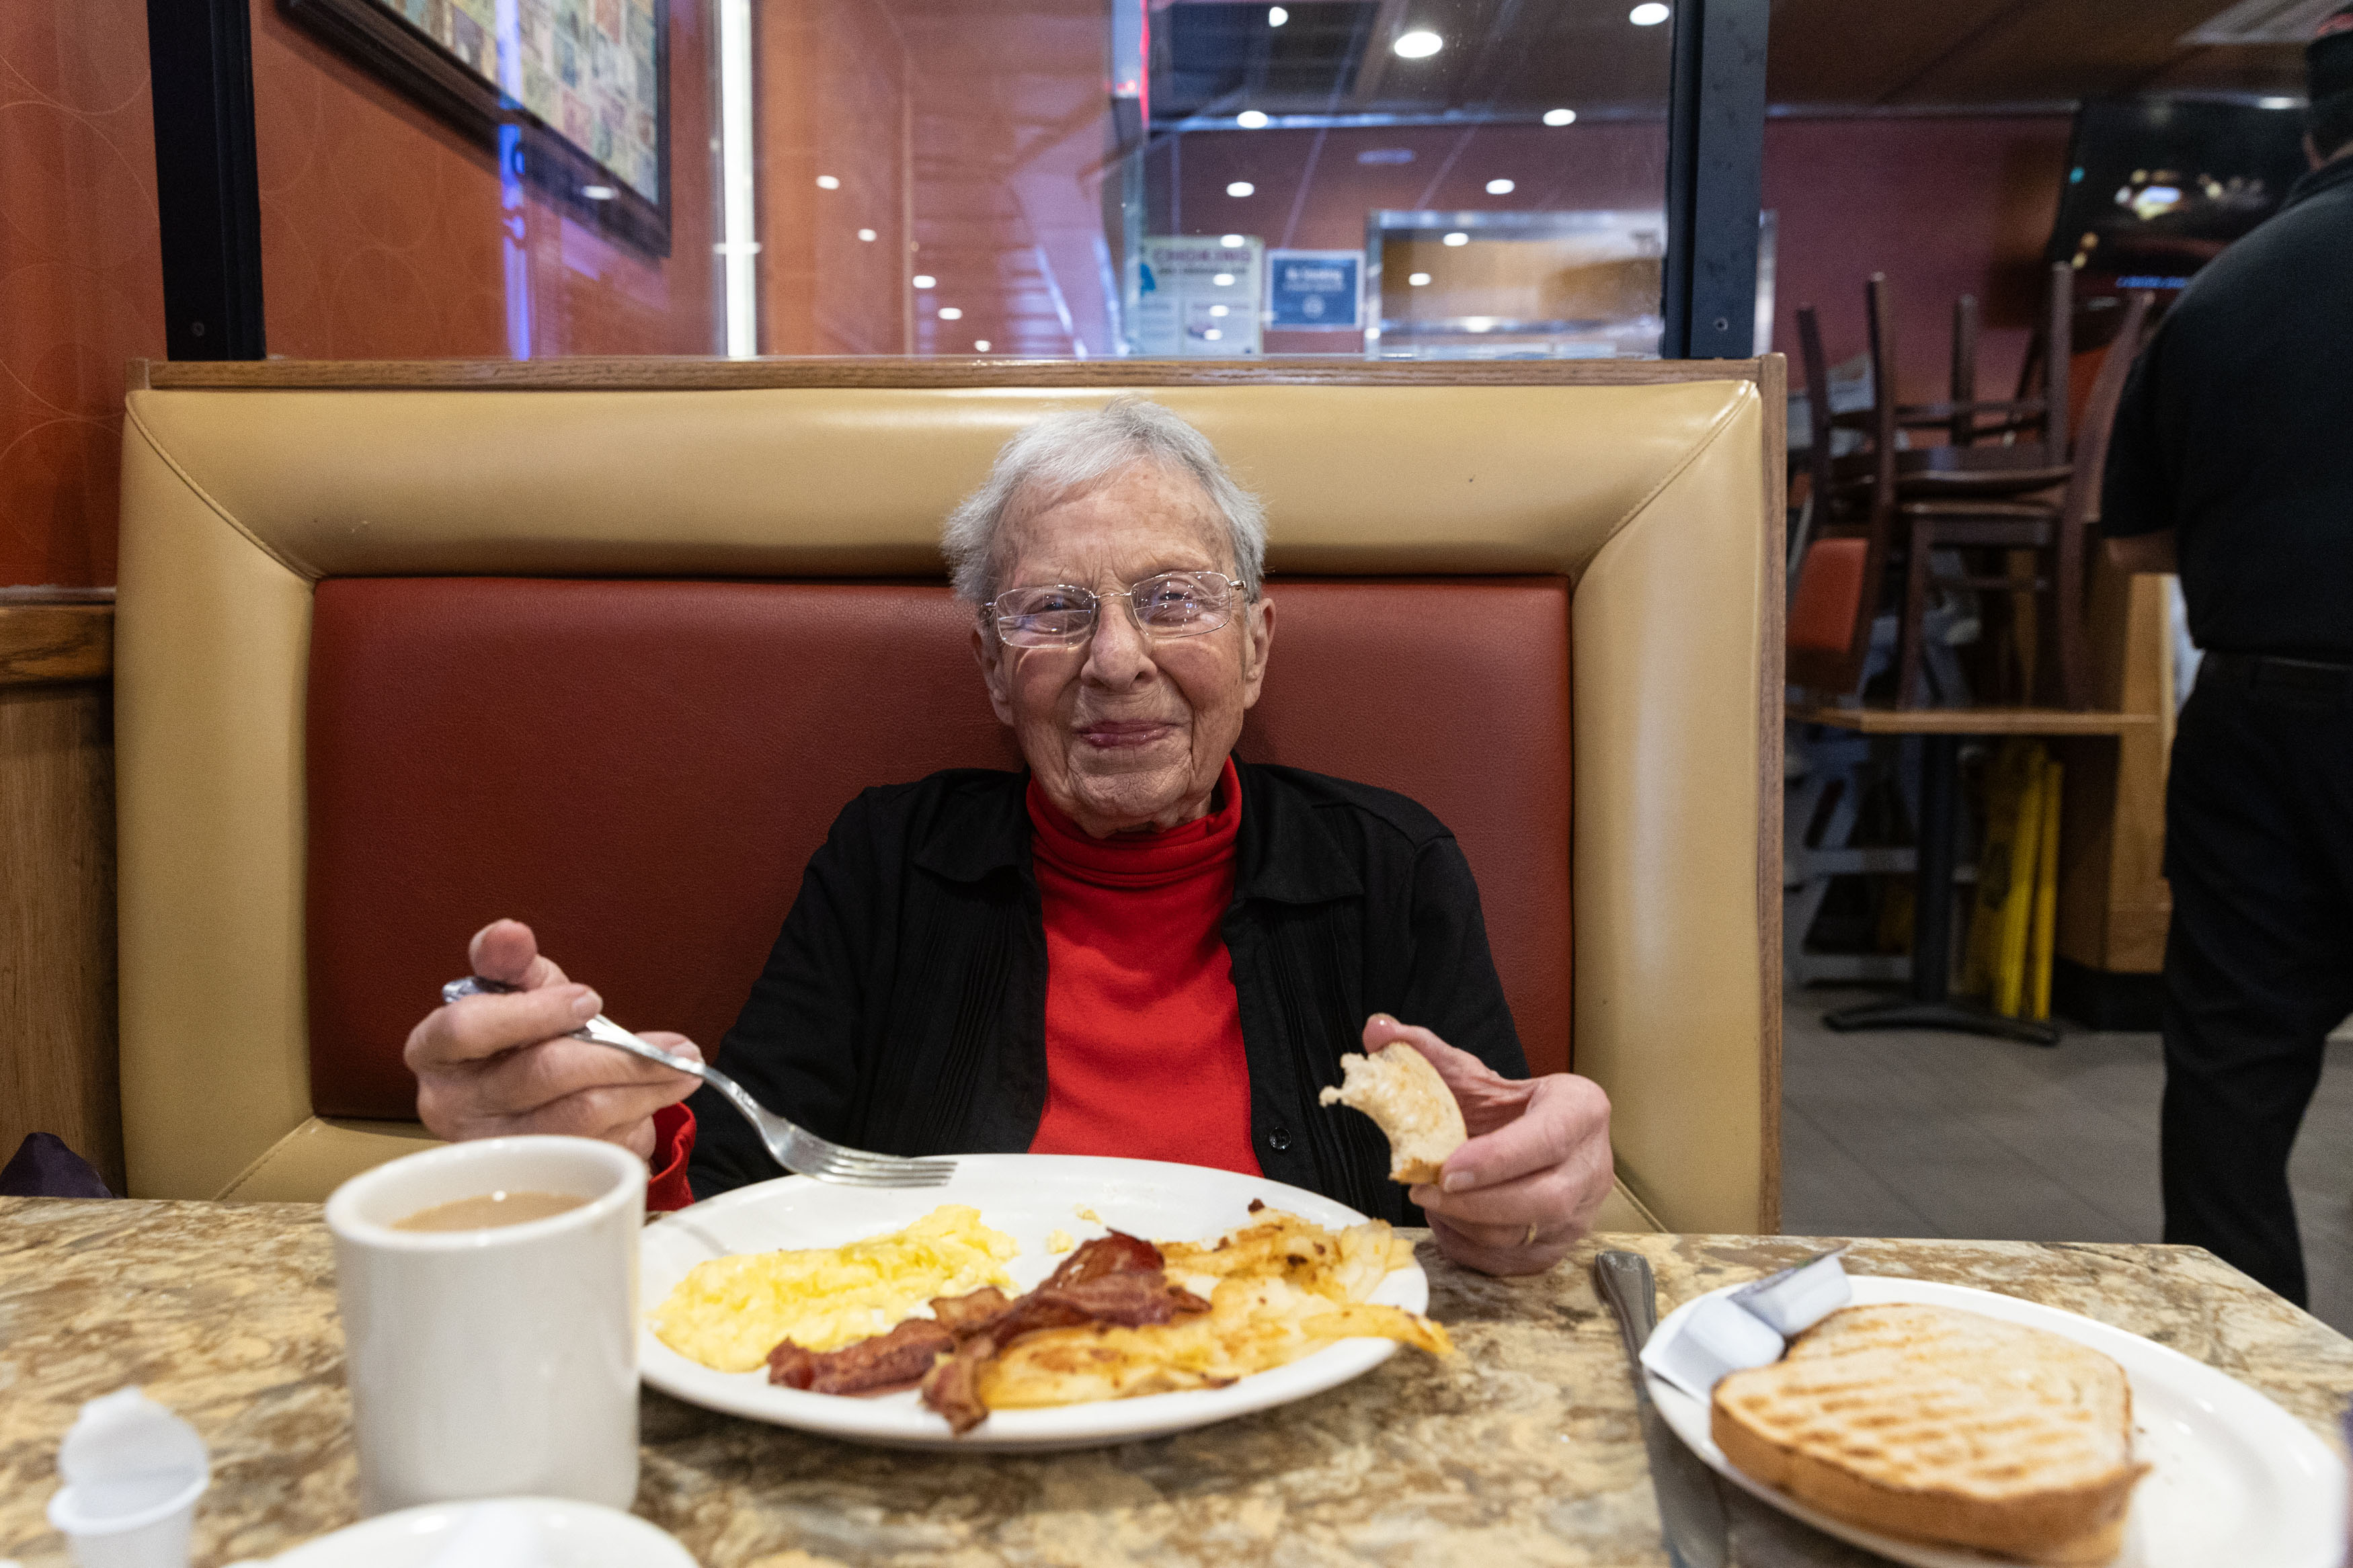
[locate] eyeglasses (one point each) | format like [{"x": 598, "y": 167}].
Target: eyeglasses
[{"x": 1062, "y": 615}]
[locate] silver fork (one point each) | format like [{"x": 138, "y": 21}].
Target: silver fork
[{"x": 793, "y": 1148}]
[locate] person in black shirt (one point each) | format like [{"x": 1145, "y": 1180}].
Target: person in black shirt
[{"x": 2232, "y": 463}]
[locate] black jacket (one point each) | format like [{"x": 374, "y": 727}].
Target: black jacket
[
  {"x": 2237, "y": 429},
  {"x": 904, "y": 1006}
]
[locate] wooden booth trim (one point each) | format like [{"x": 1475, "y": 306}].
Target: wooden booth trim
[
  {"x": 44, "y": 642},
  {"x": 677, "y": 373}
]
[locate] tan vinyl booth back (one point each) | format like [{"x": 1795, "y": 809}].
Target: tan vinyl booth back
[{"x": 335, "y": 578}]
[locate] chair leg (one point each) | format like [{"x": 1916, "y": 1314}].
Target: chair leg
[
  {"x": 1908, "y": 693},
  {"x": 2066, "y": 599}
]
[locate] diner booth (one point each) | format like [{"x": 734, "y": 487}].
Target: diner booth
[{"x": 607, "y": 646}]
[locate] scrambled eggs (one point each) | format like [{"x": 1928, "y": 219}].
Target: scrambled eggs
[
  {"x": 1060, "y": 1241},
  {"x": 728, "y": 1312}
]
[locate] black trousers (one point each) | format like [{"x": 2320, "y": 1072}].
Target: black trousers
[{"x": 2259, "y": 962}]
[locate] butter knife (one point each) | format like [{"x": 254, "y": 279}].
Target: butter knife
[{"x": 1690, "y": 1509}]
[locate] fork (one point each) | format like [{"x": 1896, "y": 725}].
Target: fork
[{"x": 793, "y": 1148}]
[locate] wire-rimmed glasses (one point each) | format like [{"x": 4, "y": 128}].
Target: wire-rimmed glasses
[{"x": 1063, "y": 614}]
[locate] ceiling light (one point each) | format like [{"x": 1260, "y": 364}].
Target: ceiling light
[
  {"x": 1233, "y": 241},
  {"x": 828, "y": 183},
  {"x": 1213, "y": 335},
  {"x": 1241, "y": 188},
  {"x": 1561, "y": 117},
  {"x": 925, "y": 281},
  {"x": 867, "y": 234},
  {"x": 980, "y": 345},
  {"x": 1479, "y": 323},
  {"x": 1223, "y": 281},
  {"x": 1649, "y": 13},
  {"x": 1418, "y": 280},
  {"x": 1418, "y": 45},
  {"x": 950, "y": 313},
  {"x": 1250, "y": 120},
  {"x": 1499, "y": 187},
  {"x": 599, "y": 192},
  {"x": 1218, "y": 310},
  {"x": 1458, "y": 238},
  {"x": 1276, "y": 16}
]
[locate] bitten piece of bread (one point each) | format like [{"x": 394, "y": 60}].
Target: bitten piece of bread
[
  {"x": 1943, "y": 1426},
  {"x": 1399, "y": 1089}
]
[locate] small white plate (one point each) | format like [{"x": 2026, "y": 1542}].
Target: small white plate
[
  {"x": 576, "y": 1535},
  {"x": 1025, "y": 1195},
  {"x": 2234, "y": 1478}
]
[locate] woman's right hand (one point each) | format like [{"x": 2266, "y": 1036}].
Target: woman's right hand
[{"x": 495, "y": 1065}]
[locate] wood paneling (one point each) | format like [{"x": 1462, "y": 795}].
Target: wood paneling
[
  {"x": 57, "y": 1072},
  {"x": 1971, "y": 721}
]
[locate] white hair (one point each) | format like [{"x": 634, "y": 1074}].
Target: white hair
[{"x": 1064, "y": 452}]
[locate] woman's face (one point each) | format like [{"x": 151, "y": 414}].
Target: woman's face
[{"x": 1124, "y": 730}]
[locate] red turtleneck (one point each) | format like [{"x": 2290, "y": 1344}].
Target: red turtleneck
[{"x": 1144, "y": 1034}]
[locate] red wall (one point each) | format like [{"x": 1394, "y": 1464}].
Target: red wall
[
  {"x": 1944, "y": 206},
  {"x": 81, "y": 290}
]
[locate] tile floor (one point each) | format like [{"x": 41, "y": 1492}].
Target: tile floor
[{"x": 1933, "y": 1134}]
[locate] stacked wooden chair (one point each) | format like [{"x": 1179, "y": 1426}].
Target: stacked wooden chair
[{"x": 2010, "y": 483}]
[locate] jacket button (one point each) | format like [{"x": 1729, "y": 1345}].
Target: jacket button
[{"x": 1278, "y": 1139}]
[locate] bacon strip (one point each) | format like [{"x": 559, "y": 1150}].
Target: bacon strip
[
  {"x": 1115, "y": 1279},
  {"x": 895, "y": 1360}
]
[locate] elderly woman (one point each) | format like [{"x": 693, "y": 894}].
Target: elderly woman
[{"x": 1140, "y": 947}]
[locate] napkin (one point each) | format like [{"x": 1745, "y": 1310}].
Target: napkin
[{"x": 1748, "y": 1327}]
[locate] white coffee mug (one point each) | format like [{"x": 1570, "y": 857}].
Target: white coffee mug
[{"x": 500, "y": 1361}]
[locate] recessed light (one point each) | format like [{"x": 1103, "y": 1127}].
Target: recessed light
[
  {"x": 867, "y": 234},
  {"x": 1649, "y": 13},
  {"x": 1218, "y": 310},
  {"x": 1479, "y": 323},
  {"x": 828, "y": 183},
  {"x": 1499, "y": 187},
  {"x": 1458, "y": 238},
  {"x": 1241, "y": 188},
  {"x": 1223, "y": 281},
  {"x": 1418, "y": 280},
  {"x": 1276, "y": 16},
  {"x": 950, "y": 313},
  {"x": 925, "y": 281},
  {"x": 599, "y": 192},
  {"x": 980, "y": 345},
  {"x": 1250, "y": 120},
  {"x": 1233, "y": 241},
  {"x": 1418, "y": 45},
  {"x": 1561, "y": 117},
  {"x": 1213, "y": 335}
]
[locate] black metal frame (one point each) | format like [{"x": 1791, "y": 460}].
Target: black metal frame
[
  {"x": 207, "y": 196},
  {"x": 1716, "y": 159},
  {"x": 415, "y": 65}
]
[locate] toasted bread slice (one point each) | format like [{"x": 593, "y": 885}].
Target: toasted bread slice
[
  {"x": 1942, "y": 1426},
  {"x": 1399, "y": 1089}
]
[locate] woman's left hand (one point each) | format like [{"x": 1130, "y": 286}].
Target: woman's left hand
[{"x": 1527, "y": 1185}]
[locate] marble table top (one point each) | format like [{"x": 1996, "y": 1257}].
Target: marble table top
[{"x": 1524, "y": 1449}]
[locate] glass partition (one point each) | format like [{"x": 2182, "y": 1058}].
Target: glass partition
[{"x": 1045, "y": 178}]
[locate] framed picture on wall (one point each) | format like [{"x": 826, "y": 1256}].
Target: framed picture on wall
[{"x": 575, "y": 93}]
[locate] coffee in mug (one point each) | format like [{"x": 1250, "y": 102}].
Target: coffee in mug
[{"x": 492, "y": 1356}]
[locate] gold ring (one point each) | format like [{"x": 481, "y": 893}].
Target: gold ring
[{"x": 1529, "y": 1239}]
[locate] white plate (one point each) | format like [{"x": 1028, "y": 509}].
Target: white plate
[
  {"x": 2234, "y": 1478},
  {"x": 1025, "y": 1195},
  {"x": 576, "y": 1534}
]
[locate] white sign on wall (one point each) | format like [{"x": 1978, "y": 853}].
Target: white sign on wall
[{"x": 1198, "y": 297}]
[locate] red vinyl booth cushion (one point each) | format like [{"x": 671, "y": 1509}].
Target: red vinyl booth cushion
[
  {"x": 1829, "y": 596},
  {"x": 640, "y": 770}
]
